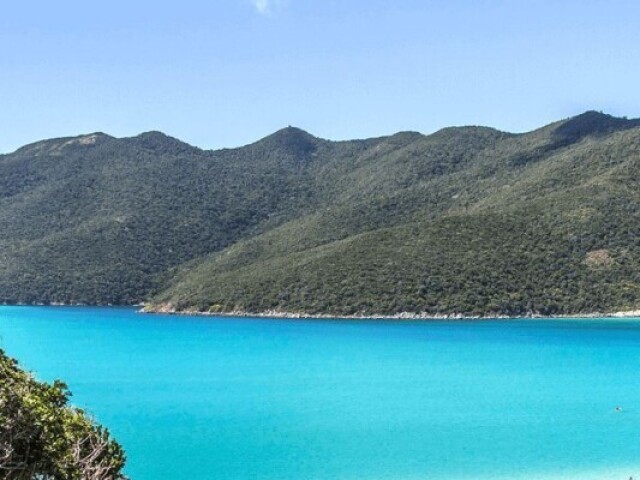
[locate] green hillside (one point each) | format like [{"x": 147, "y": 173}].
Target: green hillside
[
  {"x": 466, "y": 220},
  {"x": 95, "y": 219}
]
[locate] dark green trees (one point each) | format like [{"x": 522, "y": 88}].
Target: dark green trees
[
  {"x": 466, "y": 220},
  {"x": 42, "y": 437}
]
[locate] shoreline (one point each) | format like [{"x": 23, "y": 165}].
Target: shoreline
[{"x": 279, "y": 314}]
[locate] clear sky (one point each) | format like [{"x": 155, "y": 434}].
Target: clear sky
[{"x": 222, "y": 73}]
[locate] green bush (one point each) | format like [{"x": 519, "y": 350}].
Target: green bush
[{"x": 42, "y": 437}]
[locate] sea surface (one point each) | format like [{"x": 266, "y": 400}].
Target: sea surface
[{"x": 203, "y": 398}]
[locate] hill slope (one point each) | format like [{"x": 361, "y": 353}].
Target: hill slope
[
  {"x": 96, "y": 219},
  {"x": 466, "y": 220}
]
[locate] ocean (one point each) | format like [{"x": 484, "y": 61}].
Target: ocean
[{"x": 203, "y": 398}]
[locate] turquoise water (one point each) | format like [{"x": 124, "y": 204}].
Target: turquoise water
[{"x": 218, "y": 398}]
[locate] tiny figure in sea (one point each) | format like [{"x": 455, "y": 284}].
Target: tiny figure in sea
[{"x": 618, "y": 409}]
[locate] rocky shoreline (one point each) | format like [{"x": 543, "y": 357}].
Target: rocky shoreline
[{"x": 170, "y": 310}]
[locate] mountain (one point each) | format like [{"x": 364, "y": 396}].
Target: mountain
[
  {"x": 95, "y": 219},
  {"x": 467, "y": 220}
]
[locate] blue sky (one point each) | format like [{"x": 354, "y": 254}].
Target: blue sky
[{"x": 222, "y": 73}]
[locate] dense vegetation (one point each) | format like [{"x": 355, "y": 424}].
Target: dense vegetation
[
  {"x": 466, "y": 220},
  {"x": 41, "y": 437}
]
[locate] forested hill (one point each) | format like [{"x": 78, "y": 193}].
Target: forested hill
[{"x": 466, "y": 220}]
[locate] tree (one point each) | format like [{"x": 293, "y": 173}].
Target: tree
[{"x": 44, "y": 438}]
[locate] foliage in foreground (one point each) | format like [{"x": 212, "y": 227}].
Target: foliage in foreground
[{"x": 42, "y": 437}]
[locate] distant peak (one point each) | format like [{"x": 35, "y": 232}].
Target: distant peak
[
  {"x": 155, "y": 140},
  {"x": 55, "y": 146},
  {"x": 291, "y": 139},
  {"x": 594, "y": 115},
  {"x": 291, "y": 132},
  {"x": 592, "y": 122},
  {"x": 153, "y": 135},
  {"x": 291, "y": 128},
  {"x": 407, "y": 135},
  {"x": 91, "y": 139}
]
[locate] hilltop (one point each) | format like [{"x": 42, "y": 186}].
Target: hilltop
[{"x": 466, "y": 220}]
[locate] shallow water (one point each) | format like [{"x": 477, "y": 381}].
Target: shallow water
[{"x": 227, "y": 398}]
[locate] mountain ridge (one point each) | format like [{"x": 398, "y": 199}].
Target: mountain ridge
[
  {"x": 97, "y": 219},
  {"x": 592, "y": 121}
]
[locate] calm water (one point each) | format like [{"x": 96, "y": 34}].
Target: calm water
[{"x": 209, "y": 398}]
